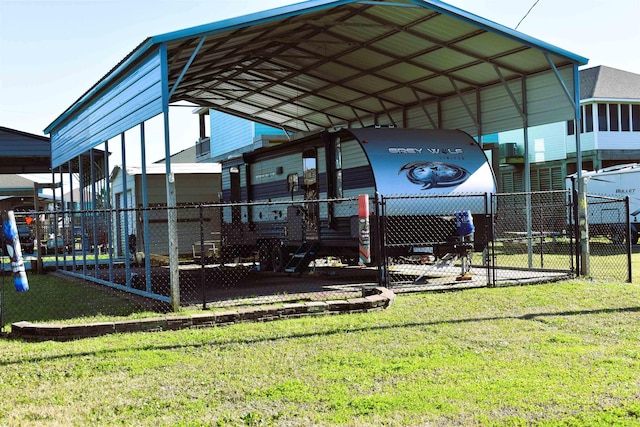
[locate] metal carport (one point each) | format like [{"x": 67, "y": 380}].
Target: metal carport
[{"x": 329, "y": 63}]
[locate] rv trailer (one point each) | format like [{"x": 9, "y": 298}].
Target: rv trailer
[
  {"x": 335, "y": 167},
  {"x": 615, "y": 182}
]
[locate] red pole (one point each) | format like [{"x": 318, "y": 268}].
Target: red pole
[{"x": 363, "y": 230}]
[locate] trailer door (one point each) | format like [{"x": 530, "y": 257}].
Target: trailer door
[{"x": 310, "y": 186}]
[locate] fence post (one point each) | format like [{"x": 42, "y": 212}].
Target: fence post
[
  {"x": 202, "y": 278},
  {"x": 583, "y": 226},
  {"x": 381, "y": 264},
  {"x": 364, "y": 238},
  {"x": 628, "y": 239},
  {"x": 382, "y": 235},
  {"x": 489, "y": 237}
]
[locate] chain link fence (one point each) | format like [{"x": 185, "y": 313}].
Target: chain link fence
[
  {"x": 424, "y": 246},
  {"x": 533, "y": 237},
  {"x": 120, "y": 261},
  {"x": 610, "y": 239}
]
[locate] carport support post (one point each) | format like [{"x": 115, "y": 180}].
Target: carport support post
[
  {"x": 172, "y": 218},
  {"x": 38, "y": 244},
  {"x": 172, "y": 214},
  {"x": 527, "y": 186},
  {"x": 145, "y": 210}
]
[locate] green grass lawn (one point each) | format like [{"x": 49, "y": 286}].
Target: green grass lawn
[{"x": 561, "y": 354}]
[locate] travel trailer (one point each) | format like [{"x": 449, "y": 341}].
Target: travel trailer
[
  {"x": 304, "y": 192},
  {"x": 616, "y": 182}
]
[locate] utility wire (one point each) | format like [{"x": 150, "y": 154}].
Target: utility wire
[{"x": 526, "y": 14}]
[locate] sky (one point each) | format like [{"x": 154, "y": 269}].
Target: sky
[{"x": 53, "y": 51}]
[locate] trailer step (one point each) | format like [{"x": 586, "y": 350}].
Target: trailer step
[{"x": 299, "y": 262}]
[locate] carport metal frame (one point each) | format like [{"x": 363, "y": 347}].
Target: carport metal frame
[{"x": 323, "y": 64}]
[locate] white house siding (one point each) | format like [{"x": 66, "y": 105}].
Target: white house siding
[
  {"x": 617, "y": 140},
  {"x": 587, "y": 142},
  {"x": 557, "y": 144}
]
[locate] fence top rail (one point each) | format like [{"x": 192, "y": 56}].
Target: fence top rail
[
  {"x": 435, "y": 196},
  {"x": 524, "y": 193},
  {"x": 606, "y": 199}
]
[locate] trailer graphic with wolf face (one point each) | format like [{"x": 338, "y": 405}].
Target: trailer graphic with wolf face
[{"x": 305, "y": 191}]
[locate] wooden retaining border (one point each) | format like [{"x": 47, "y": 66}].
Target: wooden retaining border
[{"x": 373, "y": 298}]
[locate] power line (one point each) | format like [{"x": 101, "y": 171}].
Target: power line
[{"x": 527, "y": 14}]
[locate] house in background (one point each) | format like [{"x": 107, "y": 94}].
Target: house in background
[
  {"x": 609, "y": 134},
  {"x": 231, "y": 136}
]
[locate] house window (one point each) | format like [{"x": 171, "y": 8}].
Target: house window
[
  {"x": 613, "y": 117},
  {"x": 588, "y": 118},
  {"x": 625, "y": 118},
  {"x": 571, "y": 127},
  {"x": 635, "y": 118},
  {"x": 602, "y": 117}
]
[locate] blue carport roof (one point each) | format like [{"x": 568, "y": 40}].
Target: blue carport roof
[{"x": 320, "y": 64}]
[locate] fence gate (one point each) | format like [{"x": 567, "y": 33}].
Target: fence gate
[
  {"x": 610, "y": 238},
  {"x": 533, "y": 239}
]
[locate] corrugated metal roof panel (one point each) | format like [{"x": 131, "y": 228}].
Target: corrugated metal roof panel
[
  {"x": 126, "y": 103},
  {"x": 320, "y": 55},
  {"x": 22, "y": 152}
]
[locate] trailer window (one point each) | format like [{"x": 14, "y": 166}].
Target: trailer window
[{"x": 309, "y": 167}]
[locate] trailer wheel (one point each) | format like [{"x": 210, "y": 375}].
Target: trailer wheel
[
  {"x": 278, "y": 258},
  {"x": 352, "y": 261},
  {"x": 264, "y": 256}
]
